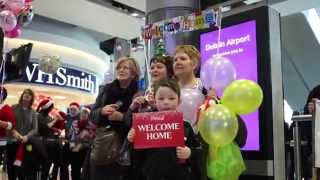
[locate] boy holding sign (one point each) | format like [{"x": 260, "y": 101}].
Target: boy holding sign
[{"x": 165, "y": 163}]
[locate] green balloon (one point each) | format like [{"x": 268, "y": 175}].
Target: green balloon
[
  {"x": 242, "y": 96},
  {"x": 218, "y": 125},
  {"x": 227, "y": 165},
  {"x": 29, "y": 147}
]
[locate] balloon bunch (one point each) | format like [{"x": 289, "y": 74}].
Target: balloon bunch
[
  {"x": 15, "y": 14},
  {"x": 218, "y": 123}
]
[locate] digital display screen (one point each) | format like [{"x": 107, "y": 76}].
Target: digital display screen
[{"x": 238, "y": 44}]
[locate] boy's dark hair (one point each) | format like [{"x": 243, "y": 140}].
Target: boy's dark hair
[
  {"x": 169, "y": 83},
  {"x": 167, "y": 61}
]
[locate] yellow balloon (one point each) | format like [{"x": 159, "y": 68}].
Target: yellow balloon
[
  {"x": 242, "y": 96},
  {"x": 218, "y": 125}
]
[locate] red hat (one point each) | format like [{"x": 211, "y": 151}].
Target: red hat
[
  {"x": 63, "y": 114},
  {"x": 44, "y": 104},
  {"x": 74, "y": 104}
]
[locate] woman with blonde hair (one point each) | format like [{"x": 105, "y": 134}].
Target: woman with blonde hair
[{"x": 108, "y": 112}]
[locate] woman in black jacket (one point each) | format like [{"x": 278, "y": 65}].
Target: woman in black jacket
[{"x": 109, "y": 109}]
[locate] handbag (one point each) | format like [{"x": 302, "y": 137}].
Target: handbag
[{"x": 106, "y": 146}]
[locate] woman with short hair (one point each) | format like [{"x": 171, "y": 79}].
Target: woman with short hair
[{"x": 108, "y": 112}]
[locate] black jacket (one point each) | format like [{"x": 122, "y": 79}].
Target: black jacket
[
  {"x": 111, "y": 94},
  {"x": 44, "y": 130},
  {"x": 163, "y": 163}
]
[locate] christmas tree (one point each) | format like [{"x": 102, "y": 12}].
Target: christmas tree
[{"x": 160, "y": 48}]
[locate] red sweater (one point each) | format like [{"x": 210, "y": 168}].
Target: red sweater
[{"x": 6, "y": 114}]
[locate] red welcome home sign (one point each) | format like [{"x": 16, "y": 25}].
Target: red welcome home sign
[{"x": 158, "y": 129}]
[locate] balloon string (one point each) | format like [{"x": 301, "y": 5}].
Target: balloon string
[
  {"x": 3, "y": 66},
  {"x": 219, "y": 20},
  {"x": 147, "y": 45}
]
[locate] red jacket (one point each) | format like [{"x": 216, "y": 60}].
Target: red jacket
[{"x": 6, "y": 114}]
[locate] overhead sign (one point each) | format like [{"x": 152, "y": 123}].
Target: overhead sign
[{"x": 64, "y": 77}]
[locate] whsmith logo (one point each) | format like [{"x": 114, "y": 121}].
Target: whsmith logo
[{"x": 64, "y": 77}]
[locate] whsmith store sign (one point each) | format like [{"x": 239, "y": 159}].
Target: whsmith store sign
[{"x": 64, "y": 77}]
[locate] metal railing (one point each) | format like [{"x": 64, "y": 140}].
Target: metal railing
[{"x": 297, "y": 141}]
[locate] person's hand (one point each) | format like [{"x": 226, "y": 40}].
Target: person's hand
[
  {"x": 3, "y": 124},
  {"x": 131, "y": 135},
  {"x": 109, "y": 109},
  {"x": 183, "y": 152},
  {"x": 212, "y": 94},
  {"x": 312, "y": 105},
  {"x": 24, "y": 139},
  {"x": 19, "y": 137},
  {"x": 137, "y": 102},
  {"x": 115, "y": 116},
  {"x": 150, "y": 97},
  {"x": 62, "y": 134}
]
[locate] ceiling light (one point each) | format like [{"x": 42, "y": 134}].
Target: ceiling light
[
  {"x": 134, "y": 49},
  {"x": 225, "y": 8},
  {"x": 59, "y": 97},
  {"x": 11, "y": 96},
  {"x": 251, "y": 1},
  {"x": 134, "y": 14},
  {"x": 118, "y": 47}
]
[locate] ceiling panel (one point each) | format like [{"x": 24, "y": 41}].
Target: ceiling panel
[
  {"x": 137, "y": 4},
  {"x": 91, "y": 16},
  {"x": 294, "y": 6}
]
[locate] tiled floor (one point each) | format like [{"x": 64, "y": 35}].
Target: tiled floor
[{"x": 3, "y": 175}]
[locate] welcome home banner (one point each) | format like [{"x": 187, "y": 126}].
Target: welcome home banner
[
  {"x": 158, "y": 129},
  {"x": 195, "y": 21}
]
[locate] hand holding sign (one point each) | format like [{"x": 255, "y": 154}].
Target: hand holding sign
[
  {"x": 183, "y": 152},
  {"x": 131, "y": 135}
]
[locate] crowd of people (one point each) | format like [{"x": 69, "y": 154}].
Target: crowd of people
[
  {"x": 35, "y": 142},
  {"x": 45, "y": 147}
]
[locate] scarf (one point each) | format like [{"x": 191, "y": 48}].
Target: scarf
[{"x": 115, "y": 93}]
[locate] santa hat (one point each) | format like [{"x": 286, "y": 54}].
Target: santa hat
[
  {"x": 74, "y": 104},
  {"x": 44, "y": 104},
  {"x": 86, "y": 108},
  {"x": 62, "y": 114}
]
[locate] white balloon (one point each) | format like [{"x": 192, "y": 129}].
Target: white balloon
[{"x": 191, "y": 99}]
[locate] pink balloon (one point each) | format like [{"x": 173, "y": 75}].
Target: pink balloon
[
  {"x": 217, "y": 73},
  {"x": 8, "y": 20},
  {"x": 3, "y": 2},
  {"x": 191, "y": 99},
  {"x": 16, "y": 32},
  {"x": 15, "y": 5}
]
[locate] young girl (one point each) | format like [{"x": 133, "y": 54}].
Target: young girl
[{"x": 164, "y": 163}]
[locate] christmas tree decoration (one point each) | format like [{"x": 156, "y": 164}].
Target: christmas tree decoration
[{"x": 160, "y": 48}]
